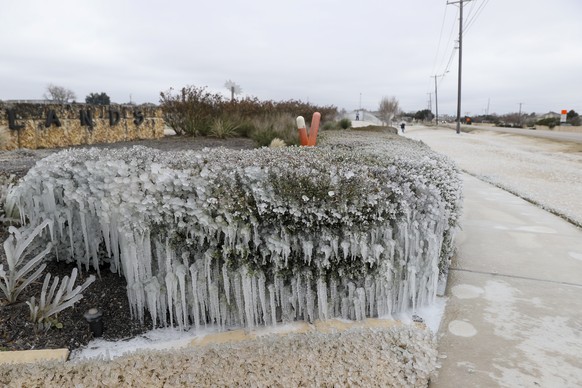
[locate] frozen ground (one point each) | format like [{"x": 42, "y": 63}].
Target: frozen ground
[
  {"x": 545, "y": 172},
  {"x": 173, "y": 338}
]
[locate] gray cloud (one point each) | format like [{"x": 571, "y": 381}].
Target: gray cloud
[{"x": 322, "y": 50}]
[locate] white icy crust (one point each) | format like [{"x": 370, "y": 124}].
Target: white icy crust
[{"x": 357, "y": 228}]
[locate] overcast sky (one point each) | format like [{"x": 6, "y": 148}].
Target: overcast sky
[{"x": 324, "y": 51}]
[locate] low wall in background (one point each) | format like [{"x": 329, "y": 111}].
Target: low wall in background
[{"x": 61, "y": 125}]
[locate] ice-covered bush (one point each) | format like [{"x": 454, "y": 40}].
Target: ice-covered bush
[{"x": 352, "y": 229}]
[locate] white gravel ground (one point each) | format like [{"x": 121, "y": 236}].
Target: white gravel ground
[
  {"x": 545, "y": 172},
  {"x": 398, "y": 357}
]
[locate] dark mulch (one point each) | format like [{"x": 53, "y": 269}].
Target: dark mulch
[{"x": 107, "y": 293}]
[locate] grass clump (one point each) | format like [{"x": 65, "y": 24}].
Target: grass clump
[
  {"x": 345, "y": 123},
  {"x": 270, "y": 127}
]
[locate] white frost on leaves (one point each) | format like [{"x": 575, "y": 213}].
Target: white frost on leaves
[{"x": 352, "y": 229}]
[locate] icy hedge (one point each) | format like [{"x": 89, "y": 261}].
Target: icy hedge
[{"x": 258, "y": 236}]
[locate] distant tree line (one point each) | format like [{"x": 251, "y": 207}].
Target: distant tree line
[{"x": 515, "y": 120}]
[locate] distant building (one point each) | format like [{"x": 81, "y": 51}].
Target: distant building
[{"x": 549, "y": 115}]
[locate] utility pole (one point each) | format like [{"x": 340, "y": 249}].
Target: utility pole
[
  {"x": 519, "y": 114},
  {"x": 430, "y": 101},
  {"x": 436, "y": 96},
  {"x": 460, "y": 2}
]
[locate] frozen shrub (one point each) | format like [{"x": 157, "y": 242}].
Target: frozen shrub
[{"x": 357, "y": 227}]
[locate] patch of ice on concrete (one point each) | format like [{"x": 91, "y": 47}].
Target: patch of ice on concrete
[
  {"x": 547, "y": 347},
  {"x": 462, "y": 329},
  {"x": 536, "y": 229},
  {"x": 467, "y": 291}
]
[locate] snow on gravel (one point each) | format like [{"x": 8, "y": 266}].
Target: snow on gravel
[{"x": 548, "y": 173}]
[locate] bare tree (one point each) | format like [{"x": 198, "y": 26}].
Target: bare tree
[
  {"x": 388, "y": 108},
  {"x": 59, "y": 94},
  {"x": 233, "y": 88}
]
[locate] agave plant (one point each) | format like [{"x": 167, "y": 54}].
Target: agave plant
[
  {"x": 16, "y": 278},
  {"x": 6, "y": 207},
  {"x": 223, "y": 128},
  {"x": 51, "y": 303}
]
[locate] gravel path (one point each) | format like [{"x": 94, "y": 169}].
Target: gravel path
[{"x": 545, "y": 172}]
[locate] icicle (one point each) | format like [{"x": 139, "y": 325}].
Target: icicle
[
  {"x": 273, "y": 303},
  {"x": 334, "y": 298},
  {"x": 300, "y": 296},
  {"x": 195, "y": 302},
  {"x": 85, "y": 238},
  {"x": 361, "y": 303},
  {"x": 170, "y": 286},
  {"x": 181, "y": 273},
  {"x": 226, "y": 282},
  {"x": 238, "y": 298},
  {"x": 412, "y": 287},
  {"x": 307, "y": 251},
  {"x": 247, "y": 297},
  {"x": 370, "y": 296},
  {"x": 152, "y": 290},
  {"x": 262, "y": 296},
  {"x": 310, "y": 303},
  {"x": 345, "y": 309},
  {"x": 322, "y": 298}
]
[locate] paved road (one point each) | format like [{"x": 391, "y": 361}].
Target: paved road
[{"x": 575, "y": 137}]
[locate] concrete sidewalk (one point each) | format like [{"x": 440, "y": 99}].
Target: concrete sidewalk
[{"x": 514, "y": 311}]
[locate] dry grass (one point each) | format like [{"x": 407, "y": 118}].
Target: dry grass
[{"x": 4, "y": 137}]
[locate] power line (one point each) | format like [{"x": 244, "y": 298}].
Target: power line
[
  {"x": 440, "y": 39},
  {"x": 471, "y": 21},
  {"x": 461, "y": 3},
  {"x": 450, "y": 39}
]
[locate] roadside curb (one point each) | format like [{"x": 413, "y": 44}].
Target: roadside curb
[{"x": 33, "y": 356}]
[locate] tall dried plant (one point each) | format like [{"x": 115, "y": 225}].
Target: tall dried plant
[{"x": 4, "y": 137}]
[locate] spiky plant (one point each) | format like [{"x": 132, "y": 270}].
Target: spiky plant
[
  {"x": 51, "y": 303},
  {"x": 277, "y": 143},
  {"x": 17, "y": 246},
  {"x": 223, "y": 128}
]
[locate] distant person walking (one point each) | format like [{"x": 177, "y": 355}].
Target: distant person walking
[
  {"x": 358, "y": 116},
  {"x": 402, "y": 126}
]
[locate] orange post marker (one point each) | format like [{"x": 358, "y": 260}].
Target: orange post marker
[{"x": 304, "y": 138}]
